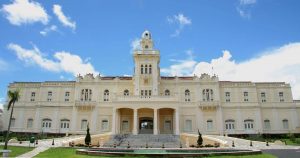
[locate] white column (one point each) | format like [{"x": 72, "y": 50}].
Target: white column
[
  {"x": 294, "y": 119},
  {"x": 37, "y": 120},
  {"x": 55, "y": 121},
  {"x": 259, "y": 121},
  {"x": 220, "y": 120},
  {"x": 177, "y": 122},
  {"x": 21, "y": 120},
  {"x": 155, "y": 122},
  {"x": 74, "y": 119},
  {"x": 135, "y": 131},
  {"x": 94, "y": 120},
  {"x": 113, "y": 128},
  {"x": 199, "y": 121}
]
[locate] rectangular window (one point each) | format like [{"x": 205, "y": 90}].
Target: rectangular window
[
  {"x": 263, "y": 97},
  {"x": 246, "y": 96},
  {"x": 281, "y": 98},
  {"x": 29, "y": 123},
  {"x": 104, "y": 125},
  {"x": 227, "y": 96},
  {"x": 209, "y": 125},
  {"x": 188, "y": 125},
  {"x": 83, "y": 124},
  {"x": 267, "y": 124},
  {"x": 49, "y": 98},
  {"x": 32, "y": 96},
  {"x": 13, "y": 121}
]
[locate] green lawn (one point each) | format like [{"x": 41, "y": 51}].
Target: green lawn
[
  {"x": 17, "y": 150},
  {"x": 70, "y": 153},
  {"x": 249, "y": 156}
]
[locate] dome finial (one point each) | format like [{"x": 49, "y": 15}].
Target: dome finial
[{"x": 146, "y": 34}]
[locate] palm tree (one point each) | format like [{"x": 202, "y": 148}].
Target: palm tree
[{"x": 13, "y": 97}]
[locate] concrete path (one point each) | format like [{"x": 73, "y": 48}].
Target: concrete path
[
  {"x": 245, "y": 144},
  {"x": 42, "y": 145}
]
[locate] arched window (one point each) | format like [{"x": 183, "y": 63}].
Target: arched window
[
  {"x": 229, "y": 124},
  {"x": 150, "y": 69},
  {"x": 146, "y": 69},
  {"x": 187, "y": 95},
  {"x": 167, "y": 92},
  {"x": 46, "y": 123},
  {"x": 86, "y": 95},
  {"x": 267, "y": 124},
  {"x": 142, "y": 69},
  {"x": 249, "y": 124},
  {"x": 64, "y": 124},
  {"x": 285, "y": 124},
  {"x": 207, "y": 95},
  {"x": 126, "y": 92},
  {"x": 29, "y": 123},
  {"x": 106, "y": 95}
]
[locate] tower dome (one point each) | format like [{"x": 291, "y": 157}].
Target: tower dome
[{"x": 146, "y": 34}]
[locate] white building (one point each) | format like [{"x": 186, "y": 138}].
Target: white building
[{"x": 150, "y": 103}]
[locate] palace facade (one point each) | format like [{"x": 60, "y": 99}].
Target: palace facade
[{"x": 154, "y": 104}]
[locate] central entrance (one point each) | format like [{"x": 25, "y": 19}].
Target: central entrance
[{"x": 146, "y": 125}]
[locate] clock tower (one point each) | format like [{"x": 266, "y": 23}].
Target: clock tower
[{"x": 146, "y": 67}]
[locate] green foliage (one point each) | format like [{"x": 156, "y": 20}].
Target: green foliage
[
  {"x": 200, "y": 140},
  {"x": 87, "y": 139}
]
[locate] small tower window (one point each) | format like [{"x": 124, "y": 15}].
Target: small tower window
[
  {"x": 146, "y": 46},
  {"x": 142, "y": 69},
  {"x": 150, "y": 69},
  {"x": 146, "y": 69}
]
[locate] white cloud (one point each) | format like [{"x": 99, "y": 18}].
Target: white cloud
[
  {"x": 64, "y": 61},
  {"x": 181, "y": 21},
  {"x": 135, "y": 45},
  {"x": 247, "y": 2},
  {"x": 182, "y": 67},
  {"x": 244, "y": 8},
  {"x": 48, "y": 30},
  {"x": 277, "y": 65},
  {"x": 24, "y": 12},
  {"x": 3, "y": 65},
  {"x": 66, "y": 21}
]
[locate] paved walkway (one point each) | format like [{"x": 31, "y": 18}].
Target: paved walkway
[
  {"x": 245, "y": 144},
  {"x": 42, "y": 145}
]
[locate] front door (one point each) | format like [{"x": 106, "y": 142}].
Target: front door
[{"x": 146, "y": 125}]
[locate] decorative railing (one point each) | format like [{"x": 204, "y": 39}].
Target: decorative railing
[
  {"x": 85, "y": 103},
  {"x": 122, "y": 98}
]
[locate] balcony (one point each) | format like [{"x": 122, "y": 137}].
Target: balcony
[
  {"x": 208, "y": 104},
  {"x": 79, "y": 103},
  {"x": 122, "y": 98}
]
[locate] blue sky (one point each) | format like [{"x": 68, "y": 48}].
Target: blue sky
[{"x": 255, "y": 40}]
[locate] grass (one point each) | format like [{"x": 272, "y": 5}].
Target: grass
[
  {"x": 62, "y": 153},
  {"x": 247, "y": 156},
  {"x": 71, "y": 153},
  {"x": 17, "y": 150}
]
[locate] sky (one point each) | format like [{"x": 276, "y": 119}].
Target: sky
[{"x": 239, "y": 40}]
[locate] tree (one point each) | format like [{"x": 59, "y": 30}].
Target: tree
[
  {"x": 200, "y": 140},
  {"x": 13, "y": 97},
  {"x": 87, "y": 136}
]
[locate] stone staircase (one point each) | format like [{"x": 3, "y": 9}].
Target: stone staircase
[{"x": 142, "y": 140}]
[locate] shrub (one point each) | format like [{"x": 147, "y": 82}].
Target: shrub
[{"x": 200, "y": 140}]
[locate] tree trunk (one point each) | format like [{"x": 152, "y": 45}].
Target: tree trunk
[{"x": 8, "y": 130}]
